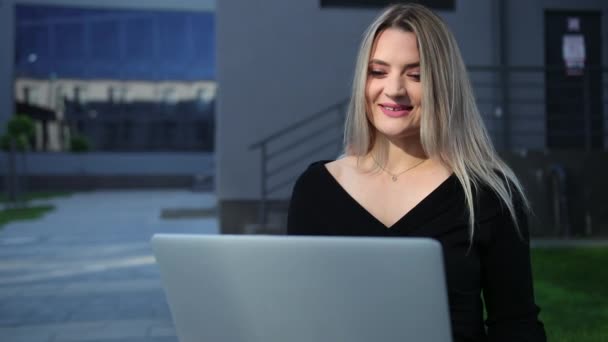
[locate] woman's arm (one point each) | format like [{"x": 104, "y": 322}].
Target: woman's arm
[{"x": 507, "y": 280}]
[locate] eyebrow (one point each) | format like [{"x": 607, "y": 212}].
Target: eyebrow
[{"x": 381, "y": 62}]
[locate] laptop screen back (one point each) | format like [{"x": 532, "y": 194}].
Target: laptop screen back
[{"x": 303, "y": 289}]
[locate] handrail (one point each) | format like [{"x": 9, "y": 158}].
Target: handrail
[
  {"x": 291, "y": 161},
  {"x": 298, "y": 124},
  {"x": 266, "y": 156},
  {"x": 286, "y": 182},
  {"x": 300, "y": 140}
]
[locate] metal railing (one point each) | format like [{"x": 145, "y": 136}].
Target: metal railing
[
  {"x": 512, "y": 101},
  {"x": 281, "y": 150},
  {"x": 521, "y": 110}
]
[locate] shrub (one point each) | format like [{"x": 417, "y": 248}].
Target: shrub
[
  {"x": 79, "y": 144},
  {"x": 20, "y": 128}
]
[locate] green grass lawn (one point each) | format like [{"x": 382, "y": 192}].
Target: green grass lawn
[
  {"x": 25, "y": 213},
  {"x": 38, "y": 195},
  {"x": 572, "y": 290}
]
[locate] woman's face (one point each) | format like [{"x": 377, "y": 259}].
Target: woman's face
[{"x": 393, "y": 91}]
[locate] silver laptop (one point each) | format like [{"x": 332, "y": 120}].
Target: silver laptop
[{"x": 303, "y": 289}]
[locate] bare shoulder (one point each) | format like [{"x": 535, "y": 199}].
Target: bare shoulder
[
  {"x": 342, "y": 167},
  {"x": 436, "y": 170},
  {"x": 347, "y": 168}
]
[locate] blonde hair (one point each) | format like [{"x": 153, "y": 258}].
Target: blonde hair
[{"x": 451, "y": 128}]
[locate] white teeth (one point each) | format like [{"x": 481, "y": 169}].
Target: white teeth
[{"x": 391, "y": 108}]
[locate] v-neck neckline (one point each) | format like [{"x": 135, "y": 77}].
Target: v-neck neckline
[{"x": 401, "y": 219}]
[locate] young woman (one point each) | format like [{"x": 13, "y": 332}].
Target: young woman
[{"x": 418, "y": 162}]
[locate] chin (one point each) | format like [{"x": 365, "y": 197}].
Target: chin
[
  {"x": 393, "y": 128},
  {"x": 398, "y": 133}
]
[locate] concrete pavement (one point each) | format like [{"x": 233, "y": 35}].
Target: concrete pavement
[{"x": 85, "y": 272}]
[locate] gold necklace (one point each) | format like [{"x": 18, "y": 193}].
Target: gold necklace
[{"x": 395, "y": 176}]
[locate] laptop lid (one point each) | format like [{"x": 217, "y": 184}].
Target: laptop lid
[{"x": 302, "y": 289}]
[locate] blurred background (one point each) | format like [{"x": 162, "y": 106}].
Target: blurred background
[{"x": 120, "y": 119}]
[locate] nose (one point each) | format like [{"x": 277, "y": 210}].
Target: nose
[{"x": 395, "y": 87}]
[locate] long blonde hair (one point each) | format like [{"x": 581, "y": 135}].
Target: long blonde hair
[{"x": 451, "y": 128}]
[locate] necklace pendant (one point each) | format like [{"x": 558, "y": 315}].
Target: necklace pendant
[{"x": 394, "y": 178}]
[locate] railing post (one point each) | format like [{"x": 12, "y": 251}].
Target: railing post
[
  {"x": 587, "y": 108},
  {"x": 264, "y": 169}
]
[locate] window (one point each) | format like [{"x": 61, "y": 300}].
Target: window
[
  {"x": 112, "y": 94},
  {"x": 117, "y": 94},
  {"x": 79, "y": 95},
  {"x": 58, "y": 95},
  {"x": 27, "y": 95},
  {"x": 169, "y": 96},
  {"x": 201, "y": 96},
  {"x": 32, "y": 95},
  {"x": 124, "y": 94},
  {"x": 108, "y": 72}
]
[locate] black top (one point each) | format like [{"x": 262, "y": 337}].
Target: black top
[{"x": 498, "y": 264}]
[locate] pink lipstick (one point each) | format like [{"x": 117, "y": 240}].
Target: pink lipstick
[{"x": 395, "y": 110}]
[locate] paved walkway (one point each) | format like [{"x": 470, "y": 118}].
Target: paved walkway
[{"x": 85, "y": 272}]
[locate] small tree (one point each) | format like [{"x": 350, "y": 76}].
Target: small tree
[{"x": 20, "y": 130}]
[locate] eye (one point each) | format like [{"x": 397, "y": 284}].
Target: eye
[
  {"x": 376, "y": 73},
  {"x": 414, "y": 75}
]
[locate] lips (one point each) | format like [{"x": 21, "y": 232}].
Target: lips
[{"x": 395, "y": 110}]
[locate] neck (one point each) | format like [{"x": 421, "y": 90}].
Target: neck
[{"x": 400, "y": 154}]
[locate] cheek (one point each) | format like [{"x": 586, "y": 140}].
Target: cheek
[
  {"x": 416, "y": 94},
  {"x": 372, "y": 89},
  {"x": 368, "y": 91},
  {"x": 369, "y": 99}
]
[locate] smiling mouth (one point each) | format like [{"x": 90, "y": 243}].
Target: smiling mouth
[{"x": 397, "y": 108}]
